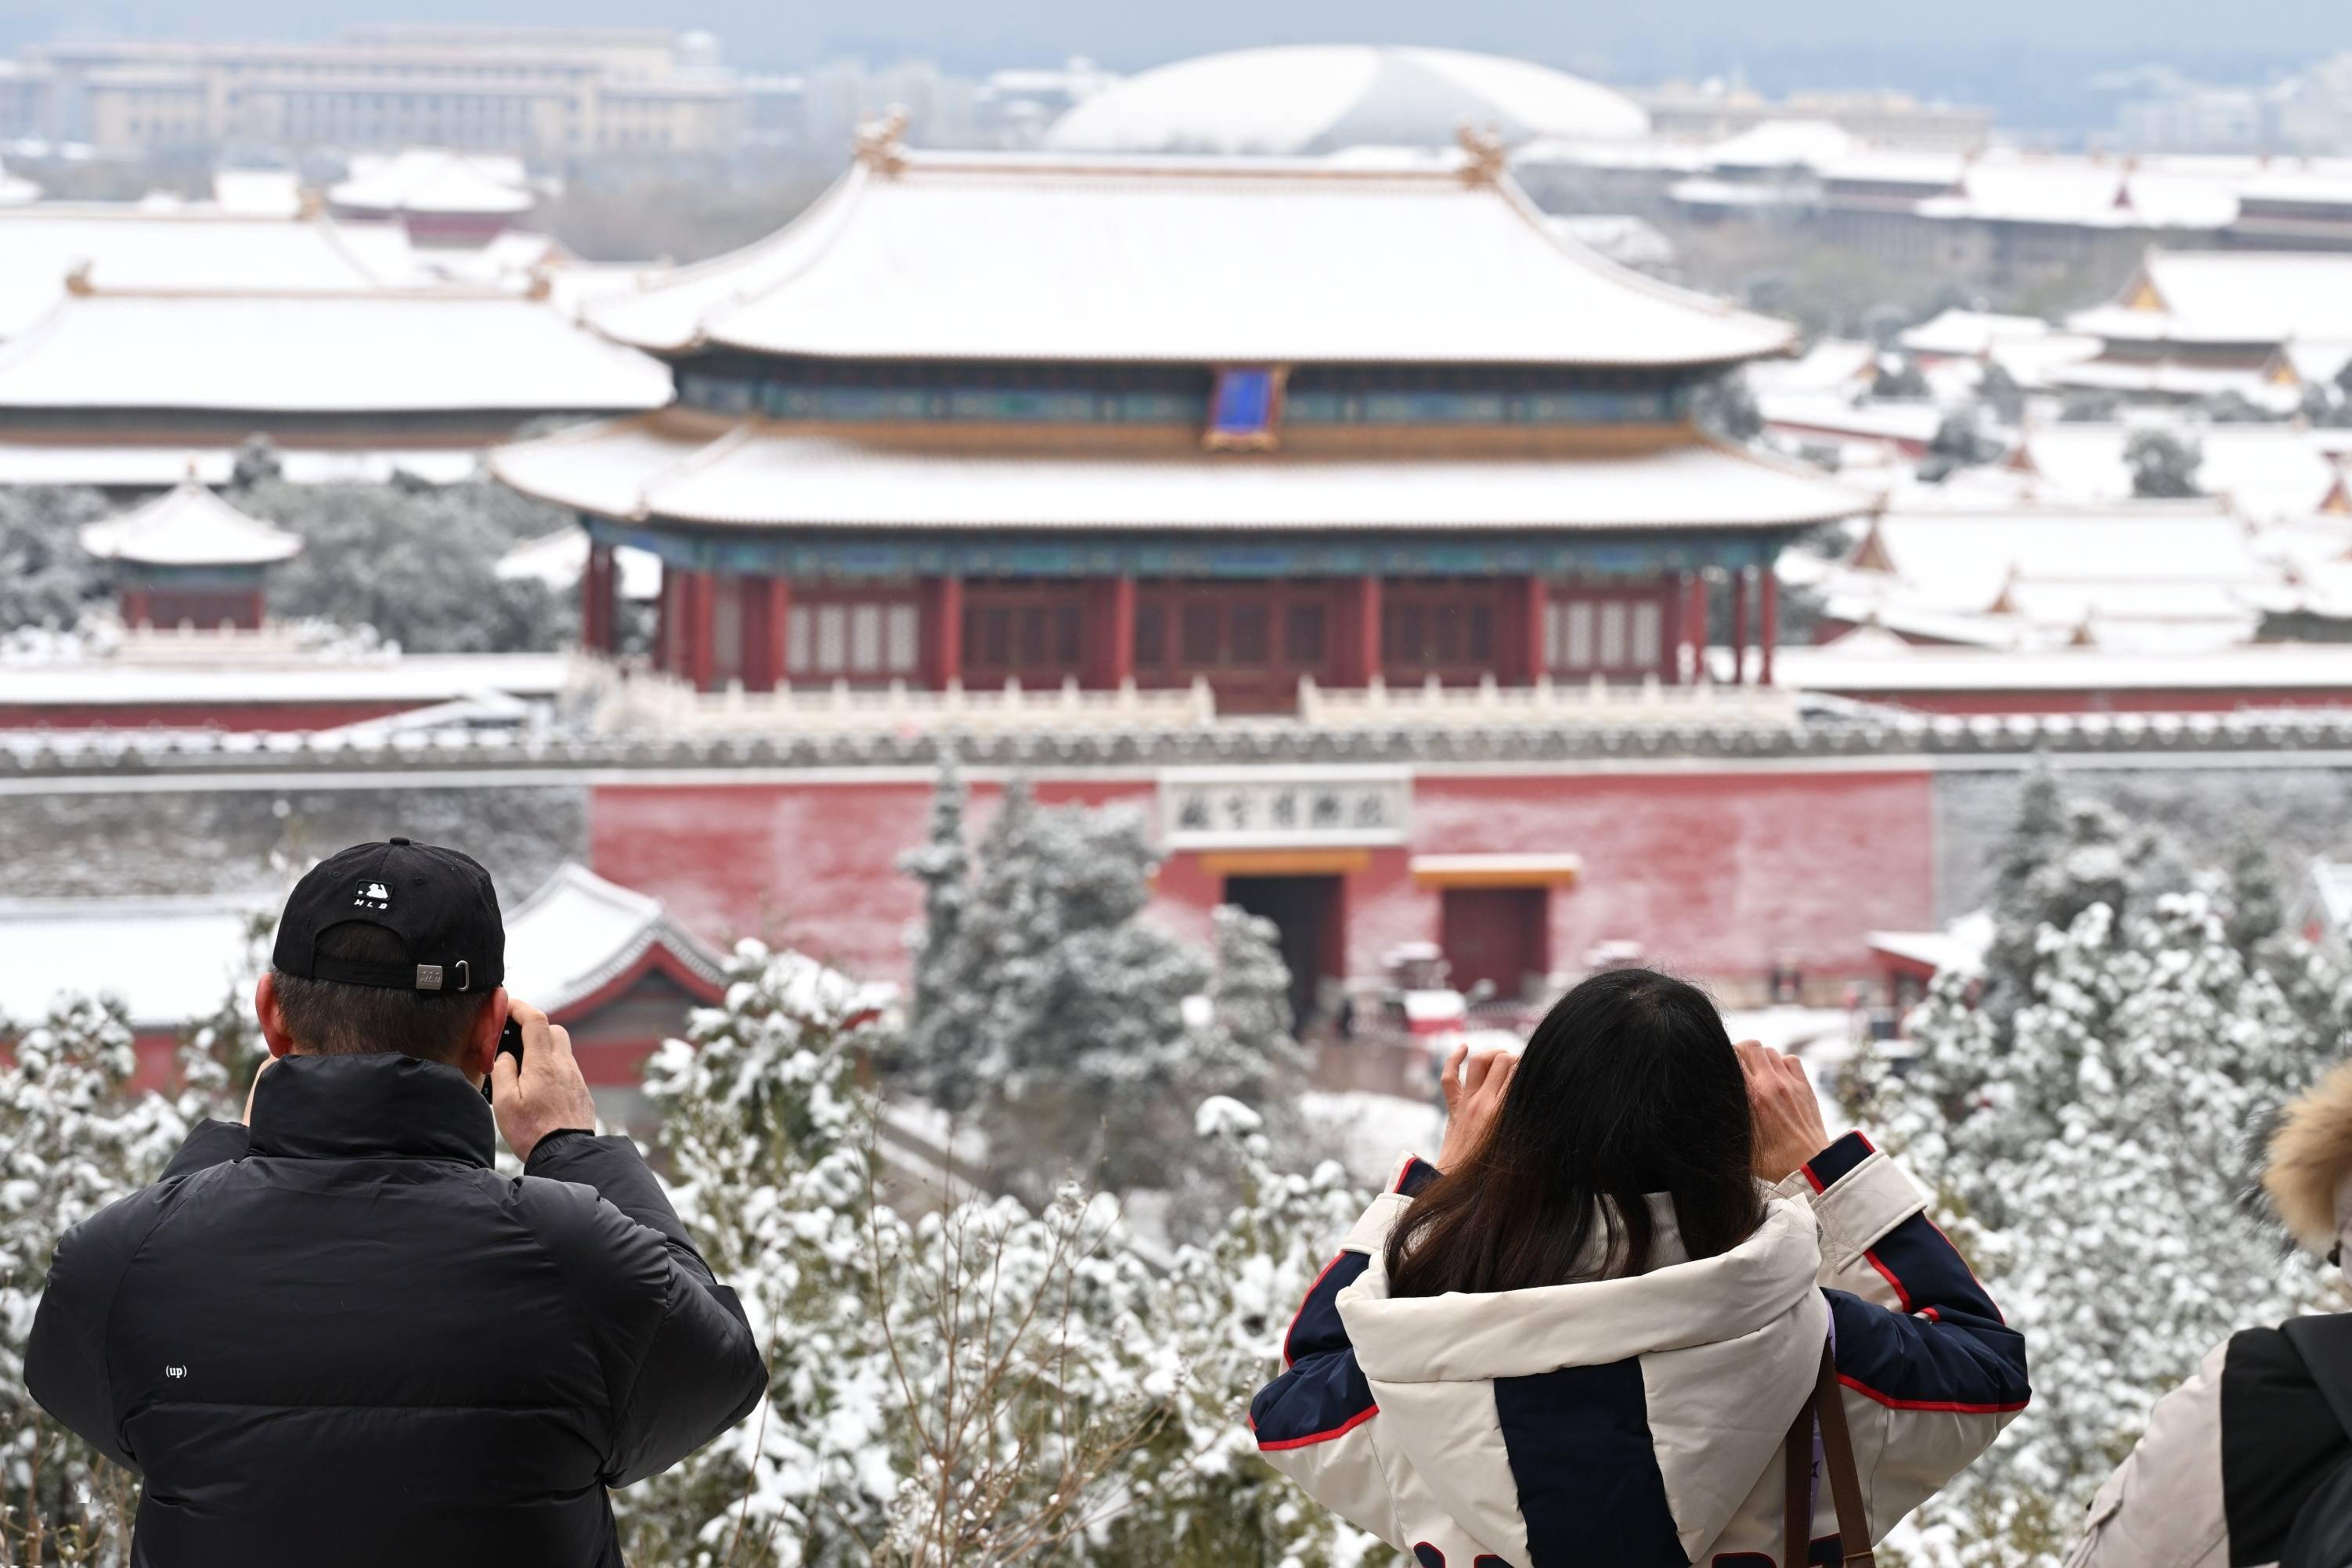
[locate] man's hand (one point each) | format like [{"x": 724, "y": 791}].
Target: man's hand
[
  {"x": 1470, "y": 1105},
  {"x": 1788, "y": 1114},
  {"x": 548, "y": 1094}
]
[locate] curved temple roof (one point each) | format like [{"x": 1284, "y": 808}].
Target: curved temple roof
[
  {"x": 695, "y": 470},
  {"x": 188, "y": 526},
  {"x": 1181, "y": 260}
]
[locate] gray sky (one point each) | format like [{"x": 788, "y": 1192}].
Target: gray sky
[{"x": 1824, "y": 39}]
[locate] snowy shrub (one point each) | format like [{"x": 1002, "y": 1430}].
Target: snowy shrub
[
  {"x": 1071, "y": 1031},
  {"x": 958, "y": 1387},
  {"x": 2092, "y": 1134},
  {"x": 72, "y": 1140},
  {"x": 1227, "y": 1304},
  {"x": 47, "y": 579},
  {"x": 413, "y": 561},
  {"x": 958, "y": 1379}
]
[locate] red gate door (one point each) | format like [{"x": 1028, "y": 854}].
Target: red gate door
[{"x": 1500, "y": 934}]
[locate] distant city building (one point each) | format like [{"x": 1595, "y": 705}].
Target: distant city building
[
  {"x": 1995, "y": 217},
  {"x": 1714, "y": 111},
  {"x": 552, "y": 93},
  {"x": 1318, "y": 99}
]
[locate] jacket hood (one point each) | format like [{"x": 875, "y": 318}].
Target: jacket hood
[
  {"x": 2310, "y": 1160},
  {"x": 1719, "y": 1352},
  {"x": 1467, "y": 1337}
]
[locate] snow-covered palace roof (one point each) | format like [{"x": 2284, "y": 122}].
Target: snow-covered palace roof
[
  {"x": 120, "y": 246},
  {"x": 1026, "y": 257},
  {"x": 690, "y": 467},
  {"x": 578, "y": 934},
  {"x": 188, "y": 526},
  {"x": 316, "y": 353},
  {"x": 2227, "y": 296},
  {"x": 433, "y": 180}
]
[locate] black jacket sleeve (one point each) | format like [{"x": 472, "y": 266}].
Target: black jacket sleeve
[
  {"x": 695, "y": 1370},
  {"x": 65, "y": 1359}
]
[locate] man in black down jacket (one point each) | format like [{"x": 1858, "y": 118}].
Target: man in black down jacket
[{"x": 334, "y": 1335}]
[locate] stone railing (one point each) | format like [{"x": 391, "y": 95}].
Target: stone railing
[
  {"x": 1546, "y": 703},
  {"x": 611, "y": 703}
]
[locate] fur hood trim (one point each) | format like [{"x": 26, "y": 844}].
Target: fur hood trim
[{"x": 2310, "y": 1157}]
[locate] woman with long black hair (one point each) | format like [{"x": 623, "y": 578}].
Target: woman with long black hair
[{"x": 1642, "y": 1312}]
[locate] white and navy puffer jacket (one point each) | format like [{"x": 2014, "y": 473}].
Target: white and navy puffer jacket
[{"x": 1638, "y": 1422}]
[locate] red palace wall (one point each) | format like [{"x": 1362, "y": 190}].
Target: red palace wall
[
  {"x": 1719, "y": 875},
  {"x": 236, "y": 716},
  {"x": 2201, "y": 700}
]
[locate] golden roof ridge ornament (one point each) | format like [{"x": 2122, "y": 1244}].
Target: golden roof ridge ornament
[
  {"x": 880, "y": 144},
  {"x": 1484, "y": 147}
]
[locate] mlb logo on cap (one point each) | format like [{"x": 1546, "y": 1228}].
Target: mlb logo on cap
[{"x": 438, "y": 901}]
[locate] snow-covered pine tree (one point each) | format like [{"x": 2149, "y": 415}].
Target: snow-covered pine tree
[
  {"x": 1211, "y": 1500},
  {"x": 2103, "y": 1132},
  {"x": 960, "y": 1386},
  {"x": 72, "y": 1140},
  {"x": 763, "y": 1127},
  {"x": 943, "y": 864},
  {"x": 1073, "y": 1032}
]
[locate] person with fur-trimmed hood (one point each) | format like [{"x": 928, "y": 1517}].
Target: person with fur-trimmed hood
[
  {"x": 1642, "y": 1312},
  {"x": 2248, "y": 1464}
]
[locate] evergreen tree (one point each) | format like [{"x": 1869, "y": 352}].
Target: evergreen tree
[
  {"x": 1069, "y": 1029},
  {"x": 72, "y": 1140},
  {"x": 47, "y": 579},
  {"x": 2096, "y": 1121},
  {"x": 955, "y": 1379},
  {"x": 412, "y": 560},
  {"x": 2163, "y": 464}
]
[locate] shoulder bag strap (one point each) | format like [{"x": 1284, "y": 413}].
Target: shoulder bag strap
[
  {"x": 1845, "y": 1482},
  {"x": 1797, "y": 1486}
]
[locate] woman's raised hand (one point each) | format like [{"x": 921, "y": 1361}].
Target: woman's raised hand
[
  {"x": 1788, "y": 1114},
  {"x": 1471, "y": 1098}
]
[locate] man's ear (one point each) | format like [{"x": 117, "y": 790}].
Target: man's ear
[
  {"x": 272, "y": 1016},
  {"x": 482, "y": 1041}
]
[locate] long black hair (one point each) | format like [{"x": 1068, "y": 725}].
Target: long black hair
[{"x": 1628, "y": 1087}]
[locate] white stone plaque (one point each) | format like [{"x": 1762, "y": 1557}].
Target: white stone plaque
[{"x": 1281, "y": 808}]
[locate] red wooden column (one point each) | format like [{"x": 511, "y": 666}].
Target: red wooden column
[
  {"x": 1739, "y": 625},
  {"x": 943, "y": 631},
  {"x": 696, "y": 593},
  {"x": 1359, "y": 652},
  {"x": 1767, "y": 586},
  {"x": 1119, "y": 631},
  {"x": 666, "y": 621},
  {"x": 1534, "y": 660},
  {"x": 779, "y": 622},
  {"x": 765, "y": 603},
  {"x": 135, "y": 613},
  {"x": 596, "y": 607},
  {"x": 1694, "y": 623}
]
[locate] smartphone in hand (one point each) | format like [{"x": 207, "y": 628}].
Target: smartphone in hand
[{"x": 509, "y": 1044}]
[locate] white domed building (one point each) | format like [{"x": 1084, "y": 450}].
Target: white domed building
[{"x": 1309, "y": 98}]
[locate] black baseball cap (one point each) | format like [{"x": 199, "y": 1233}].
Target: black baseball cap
[{"x": 438, "y": 901}]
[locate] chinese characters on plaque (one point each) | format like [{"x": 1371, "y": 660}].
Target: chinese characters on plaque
[{"x": 1274, "y": 807}]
